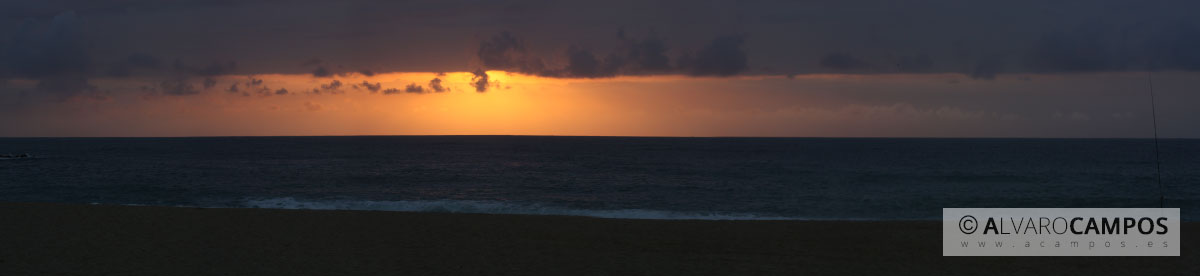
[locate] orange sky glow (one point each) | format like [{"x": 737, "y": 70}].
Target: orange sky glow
[{"x": 515, "y": 104}]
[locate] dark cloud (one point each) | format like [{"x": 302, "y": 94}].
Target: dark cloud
[
  {"x": 507, "y": 52},
  {"x": 632, "y": 57},
  {"x": 311, "y": 62},
  {"x": 583, "y": 64},
  {"x": 324, "y": 69},
  {"x": 255, "y": 86},
  {"x": 177, "y": 87},
  {"x": 480, "y": 81},
  {"x": 843, "y": 62},
  {"x": 55, "y": 56},
  {"x": 254, "y": 82},
  {"x": 436, "y": 85},
  {"x": 649, "y": 55},
  {"x": 262, "y": 91},
  {"x": 148, "y": 89},
  {"x": 212, "y": 69},
  {"x": 414, "y": 88},
  {"x": 48, "y": 42},
  {"x": 321, "y": 72},
  {"x": 281, "y": 91},
  {"x": 1082, "y": 50},
  {"x": 59, "y": 50},
  {"x": 143, "y": 60},
  {"x": 373, "y": 87},
  {"x": 64, "y": 87},
  {"x": 723, "y": 56},
  {"x": 135, "y": 62},
  {"x": 1097, "y": 47},
  {"x": 1175, "y": 47},
  {"x": 179, "y": 83},
  {"x": 252, "y": 85},
  {"x": 209, "y": 83},
  {"x": 334, "y": 87},
  {"x": 391, "y": 91},
  {"x": 919, "y": 63},
  {"x": 987, "y": 68},
  {"x": 501, "y": 51}
]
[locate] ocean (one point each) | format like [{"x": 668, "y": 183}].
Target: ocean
[{"x": 612, "y": 177}]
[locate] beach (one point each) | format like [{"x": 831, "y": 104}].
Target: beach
[{"x": 75, "y": 239}]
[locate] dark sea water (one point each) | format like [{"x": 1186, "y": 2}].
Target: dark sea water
[{"x": 625, "y": 177}]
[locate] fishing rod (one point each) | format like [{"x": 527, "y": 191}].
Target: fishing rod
[{"x": 1154, "y": 121}]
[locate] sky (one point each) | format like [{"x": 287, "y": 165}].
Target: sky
[{"x": 870, "y": 68}]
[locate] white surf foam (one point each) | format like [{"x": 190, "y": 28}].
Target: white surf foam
[{"x": 492, "y": 207}]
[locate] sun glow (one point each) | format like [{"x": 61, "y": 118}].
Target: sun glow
[
  {"x": 513, "y": 104},
  {"x": 382, "y": 104}
]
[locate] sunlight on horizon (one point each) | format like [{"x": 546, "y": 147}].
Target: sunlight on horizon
[{"x": 664, "y": 105}]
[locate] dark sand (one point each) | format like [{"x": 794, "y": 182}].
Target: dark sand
[{"x": 40, "y": 239}]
